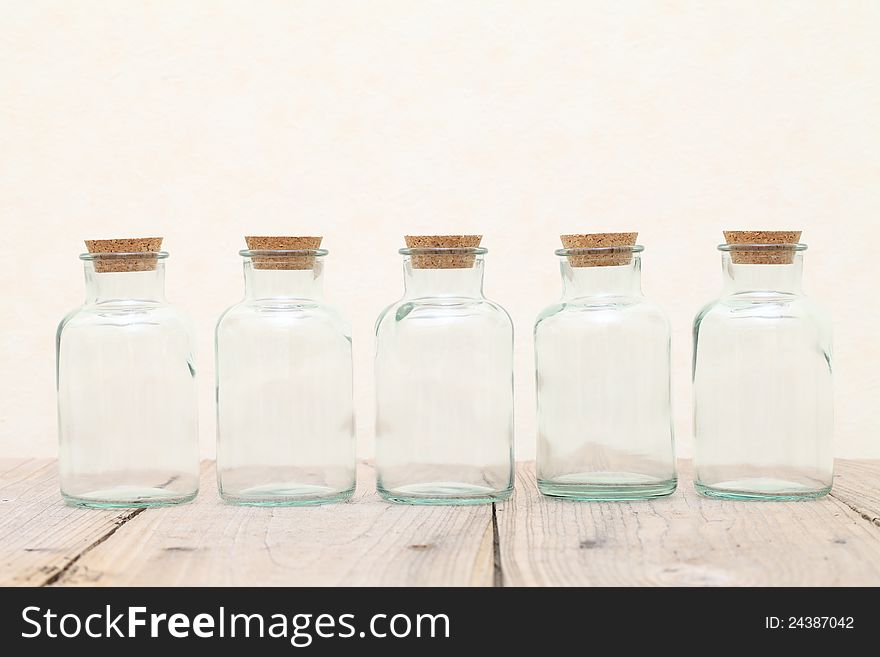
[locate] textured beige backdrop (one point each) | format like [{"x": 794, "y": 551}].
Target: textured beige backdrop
[{"x": 362, "y": 121}]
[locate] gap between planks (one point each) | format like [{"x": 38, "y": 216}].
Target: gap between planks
[
  {"x": 58, "y": 576},
  {"x": 497, "y": 570}
]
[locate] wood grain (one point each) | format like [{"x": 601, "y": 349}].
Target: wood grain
[
  {"x": 530, "y": 540},
  {"x": 857, "y": 484},
  {"x": 362, "y": 542},
  {"x": 41, "y": 537},
  {"x": 686, "y": 539}
]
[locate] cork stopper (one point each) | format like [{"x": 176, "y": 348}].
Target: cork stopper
[
  {"x": 441, "y": 260},
  {"x": 607, "y": 258},
  {"x": 782, "y": 255},
  {"x": 283, "y": 260},
  {"x": 149, "y": 246}
]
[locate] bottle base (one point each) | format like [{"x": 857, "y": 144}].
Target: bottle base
[
  {"x": 287, "y": 495},
  {"x": 443, "y": 493},
  {"x": 607, "y": 491},
  {"x": 761, "y": 489},
  {"x": 128, "y": 498}
]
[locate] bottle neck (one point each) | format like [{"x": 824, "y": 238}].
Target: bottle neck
[
  {"x": 104, "y": 287},
  {"x": 612, "y": 280},
  {"x": 773, "y": 278},
  {"x": 463, "y": 282},
  {"x": 283, "y": 283}
]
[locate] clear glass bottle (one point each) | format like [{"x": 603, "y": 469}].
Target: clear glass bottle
[
  {"x": 763, "y": 416},
  {"x": 285, "y": 414},
  {"x": 444, "y": 381},
  {"x": 602, "y": 361},
  {"x": 127, "y": 403}
]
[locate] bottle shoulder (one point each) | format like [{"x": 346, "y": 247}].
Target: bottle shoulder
[
  {"x": 450, "y": 304},
  {"x": 68, "y": 318},
  {"x": 281, "y": 311},
  {"x": 464, "y": 309},
  {"x": 611, "y": 309},
  {"x": 96, "y": 323},
  {"x": 764, "y": 307},
  {"x": 780, "y": 303},
  {"x": 122, "y": 313}
]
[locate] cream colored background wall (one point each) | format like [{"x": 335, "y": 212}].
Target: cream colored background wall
[{"x": 205, "y": 120}]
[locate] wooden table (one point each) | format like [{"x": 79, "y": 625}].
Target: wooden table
[{"x": 530, "y": 540}]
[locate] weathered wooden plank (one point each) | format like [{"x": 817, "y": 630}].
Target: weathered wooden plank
[
  {"x": 40, "y": 536},
  {"x": 684, "y": 539},
  {"x": 857, "y": 485},
  {"x": 363, "y": 542}
]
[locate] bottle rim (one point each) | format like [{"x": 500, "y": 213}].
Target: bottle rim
[
  {"x": 600, "y": 250},
  {"x": 443, "y": 250},
  {"x": 139, "y": 255},
  {"x": 283, "y": 253},
  {"x": 793, "y": 246}
]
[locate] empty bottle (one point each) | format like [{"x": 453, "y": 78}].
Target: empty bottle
[
  {"x": 444, "y": 381},
  {"x": 763, "y": 416},
  {"x": 127, "y": 414},
  {"x": 603, "y": 378},
  {"x": 285, "y": 415}
]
